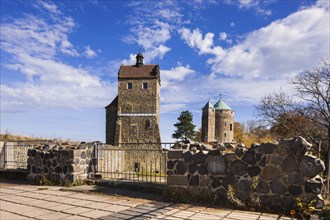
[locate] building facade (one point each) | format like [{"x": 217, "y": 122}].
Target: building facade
[
  {"x": 217, "y": 123},
  {"x": 133, "y": 116}
]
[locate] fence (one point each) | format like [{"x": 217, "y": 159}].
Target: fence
[
  {"x": 134, "y": 162},
  {"x": 13, "y": 155}
]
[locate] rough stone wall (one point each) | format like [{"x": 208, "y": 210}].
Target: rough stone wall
[
  {"x": 273, "y": 174},
  {"x": 223, "y": 119},
  {"x": 61, "y": 164},
  {"x": 138, "y": 128},
  {"x": 111, "y": 121},
  {"x": 208, "y": 123},
  {"x": 137, "y": 99}
]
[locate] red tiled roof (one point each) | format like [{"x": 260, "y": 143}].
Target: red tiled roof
[{"x": 144, "y": 71}]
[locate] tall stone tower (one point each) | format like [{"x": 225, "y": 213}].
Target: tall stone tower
[
  {"x": 133, "y": 116},
  {"x": 208, "y": 123},
  {"x": 217, "y": 122}
]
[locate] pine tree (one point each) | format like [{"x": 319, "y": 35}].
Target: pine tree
[{"x": 184, "y": 127}]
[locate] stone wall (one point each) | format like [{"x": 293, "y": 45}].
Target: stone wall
[
  {"x": 61, "y": 163},
  {"x": 273, "y": 174}
]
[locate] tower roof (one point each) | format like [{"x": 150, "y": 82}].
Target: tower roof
[
  {"x": 221, "y": 105},
  {"x": 208, "y": 105}
]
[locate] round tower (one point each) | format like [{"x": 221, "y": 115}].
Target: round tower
[{"x": 224, "y": 122}]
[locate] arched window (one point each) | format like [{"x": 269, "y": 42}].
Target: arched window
[{"x": 148, "y": 124}]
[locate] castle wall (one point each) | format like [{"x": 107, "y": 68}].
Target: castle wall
[
  {"x": 139, "y": 129},
  {"x": 110, "y": 127},
  {"x": 224, "y": 125}
]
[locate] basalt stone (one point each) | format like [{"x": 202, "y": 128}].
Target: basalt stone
[
  {"x": 28, "y": 167},
  {"x": 199, "y": 158},
  {"x": 258, "y": 157},
  {"x": 230, "y": 157},
  {"x": 216, "y": 165},
  {"x": 181, "y": 167},
  {"x": 299, "y": 147},
  {"x": 46, "y": 156},
  {"x": 269, "y": 173},
  {"x": 295, "y": 190},
  {"x": 276, "y": 160},
  {"x": 51, "y": 155},
  {"x": 262, "y": 162},
  {"x": 277, "y": 187},
  {"x": 83, "y": 155},
  {"x": 192, "y": 168},
  {"x": 34, "y": 169},
  {"x": 88, "y": 153},
  {"x": 175, "y": 154},
  {"x": 54, "y": 163},
  {"x": 262, "y": 187},
  {"x": 253, "y": 171},
  {"x": 31, "y": 152},
  {"x": 238, "y": 168},
  {"x": 58, "y": 170},
  {"x": 188, "y": 157},
  {"x": 64, "y": 153},
  {"x": 170, "y": 164},
  {"x": 69, "y": 168},
  {"x": 318, "y": 201},
  {"x": 45, "y": 170},
  {"x": 65, "y": 169},
  {"x": 215, "y": 183},
  {"x": 215, "y": 152},
  {"x": 170, "y": 172},
  {"x": 313, "y": 187},
  {"x": 243, "y": 196},
  {"x": 249, "y": 157},
  {"x": 266, "y": 148},
  {"x": 221, "y": 193},
  {"x": 229, "y": 180},
  {"x": 202, "y": 169},
  {"x": 245, "y": 184},
  {"x": 275, "y": 203},
  {"x": 296, "y": 179},
  {"x": 266, "y": 200},
  {"x": 310, "y": 166},
  {"x": 239, "y": 151},
  {"x": 194, "y": 180},
  {"x": 30, "y": 161},
  {"x": 289, "y": 164},
  {"x": 287, "y": 202}
]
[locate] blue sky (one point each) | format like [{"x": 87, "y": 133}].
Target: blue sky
[{"x": 59, "y": 59}]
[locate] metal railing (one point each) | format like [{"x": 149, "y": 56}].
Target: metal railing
[
  {"x": 134, "y": 162},
  {"x": 13, "y": 154}
]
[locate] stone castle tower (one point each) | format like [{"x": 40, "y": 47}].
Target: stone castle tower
[
  {"x": 133, "y": 116},
  {"x": 217, "y": 122}
]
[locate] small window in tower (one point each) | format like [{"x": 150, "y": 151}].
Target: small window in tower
[
  {"x": 225, "y": 123},
  {"x": 225, "y": 134},
  {"x": 145, "y": 86},
  {"x": 129, "y": 85},
  {"x": 148, "y": 124},
  {"x": 231, "y": 127}
]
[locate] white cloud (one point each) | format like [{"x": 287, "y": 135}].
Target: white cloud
[
  {"x": 178, "y": 73},
  {"x": 34, "y": 46},
  {"x": 281, "y": 49},
  {"x": 89, "y": 53},
  {"x": 232, "y": 24},
  {"x": 50, "y": 6}
]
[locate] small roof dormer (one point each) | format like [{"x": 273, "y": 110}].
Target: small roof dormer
[{"x": 139, "y": 59}]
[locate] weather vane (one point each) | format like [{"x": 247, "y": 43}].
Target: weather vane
[{"x": 220, "y": 95}]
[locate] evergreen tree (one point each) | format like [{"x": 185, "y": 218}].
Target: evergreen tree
[{"x": 184, "y": 127}]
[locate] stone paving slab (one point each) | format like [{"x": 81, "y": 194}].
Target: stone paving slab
[{"x": 48, "y": 202}]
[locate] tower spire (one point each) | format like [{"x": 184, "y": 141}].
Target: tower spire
[{"x": 139, "y": 59}]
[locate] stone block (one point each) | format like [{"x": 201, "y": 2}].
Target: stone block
[
  {"x": 269, "y": 173},
  {"x": 249, "y": 157},
  {"x": 299, "y": 147},
  {"x": 176, "y": 180},
  {"x": 170, "y": 164},
  {"x": 188, "y": 157},
  {"x": 267, "y": 148},
  {"x": 238, "y": 167},
  {"x": 277, "y": 187},
  {"x": 175, "y": 154},
  {"x": 192, "y": 168},
  {"x": 202, "y": 169},
  {"x": 199, "y": 158},
  {"x": 295, "y": 190},
  {"x": 262, "y": 187},
  {"x": 253, "y": 171},
  {"x": 289, "y": 164},
  {"x": 181, "y": 167},
  {"x": 239, "y": 151},
  {"x": 194, "y": 180},
  {"x": 310, "y": 166},
  {"x": 216, "y": 165}
]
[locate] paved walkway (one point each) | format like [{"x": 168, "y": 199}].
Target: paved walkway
[{"x": 23, "y": 201}]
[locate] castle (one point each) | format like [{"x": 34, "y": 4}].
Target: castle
[
  {"x": 133, "y": 116},
  {"x": 217, "y": 122}
]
